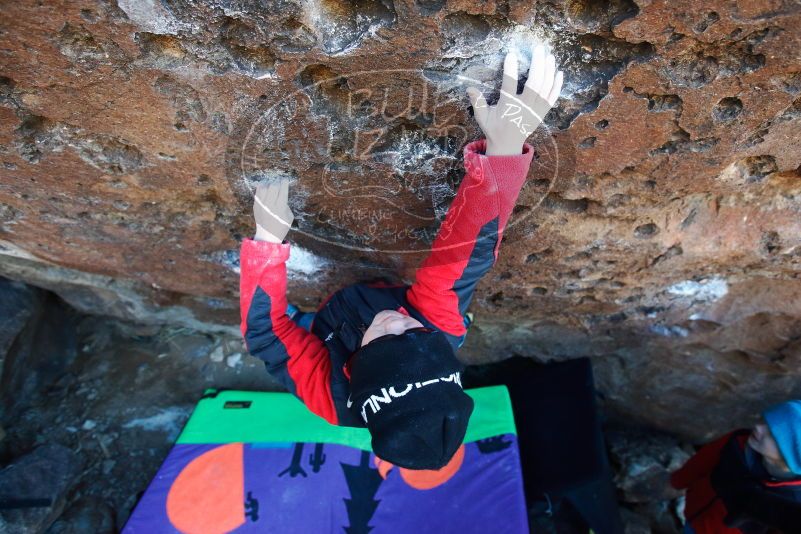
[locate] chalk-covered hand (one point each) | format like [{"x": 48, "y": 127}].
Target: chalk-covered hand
[
  {"x": 509, "y": 122},
  {"x": 271, "y": 210}
]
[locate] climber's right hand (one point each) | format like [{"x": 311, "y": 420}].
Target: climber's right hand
[
  {"x": 271, "y": 210},
  {"x": 509, "y": 122}
]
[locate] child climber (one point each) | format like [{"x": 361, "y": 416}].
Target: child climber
[
  {"x": 747, "y": 482},
  {"x": 380, "y": 356}
]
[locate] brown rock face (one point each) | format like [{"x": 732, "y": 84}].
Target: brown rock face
[{"x": 659, "y": 231}]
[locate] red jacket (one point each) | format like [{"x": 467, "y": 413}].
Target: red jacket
[
  {"x": 312, "y": 365},
  {"x": 703, "y": 509}
]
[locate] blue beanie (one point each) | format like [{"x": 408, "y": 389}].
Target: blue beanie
[{"x": 784, "y": 421}]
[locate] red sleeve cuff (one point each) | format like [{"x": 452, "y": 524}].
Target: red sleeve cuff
[
  {"x": 501, "y": 165},
  {"x": 254, "y": 254},
  {"x": 479, "y": 146}
]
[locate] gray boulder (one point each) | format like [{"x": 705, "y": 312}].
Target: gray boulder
[
  {"x": 37, "y": 344},
  {"x": 33, "y": 489}
]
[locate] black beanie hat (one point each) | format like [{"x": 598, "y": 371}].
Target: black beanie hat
[{"x": 407, "y": 390}]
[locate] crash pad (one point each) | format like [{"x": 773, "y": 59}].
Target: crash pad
[{"x": 261, "y": 462}]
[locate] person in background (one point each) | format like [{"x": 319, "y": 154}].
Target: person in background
[
  {"x": 748, "y": 481},
  {"x": 382, "y": 356}
]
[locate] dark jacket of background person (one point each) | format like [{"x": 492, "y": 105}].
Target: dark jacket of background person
[{"x": 730, "y": 492}]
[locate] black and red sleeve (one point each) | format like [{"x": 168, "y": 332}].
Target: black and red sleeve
[
  {"x": 467, "y": 244},
  {"x": 295, "y": 357}
]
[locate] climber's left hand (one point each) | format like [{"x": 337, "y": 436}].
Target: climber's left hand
[
  {"x": 509, "y": 122},
  {"x": 271, "y": 210}
]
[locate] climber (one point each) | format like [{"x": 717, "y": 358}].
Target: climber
[
  {"x": 381, "y": 356},
  {"x": 747, "y": 481}
]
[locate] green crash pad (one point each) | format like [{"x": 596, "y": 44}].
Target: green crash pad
[{"x": 264, "y": 417}]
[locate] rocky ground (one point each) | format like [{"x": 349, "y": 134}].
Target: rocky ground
[
  {"x": 102, "y": 414},
  {"x": 88, "y": 418}
]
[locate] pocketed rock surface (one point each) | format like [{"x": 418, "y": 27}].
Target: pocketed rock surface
[{"x": 659, "y": 231}]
